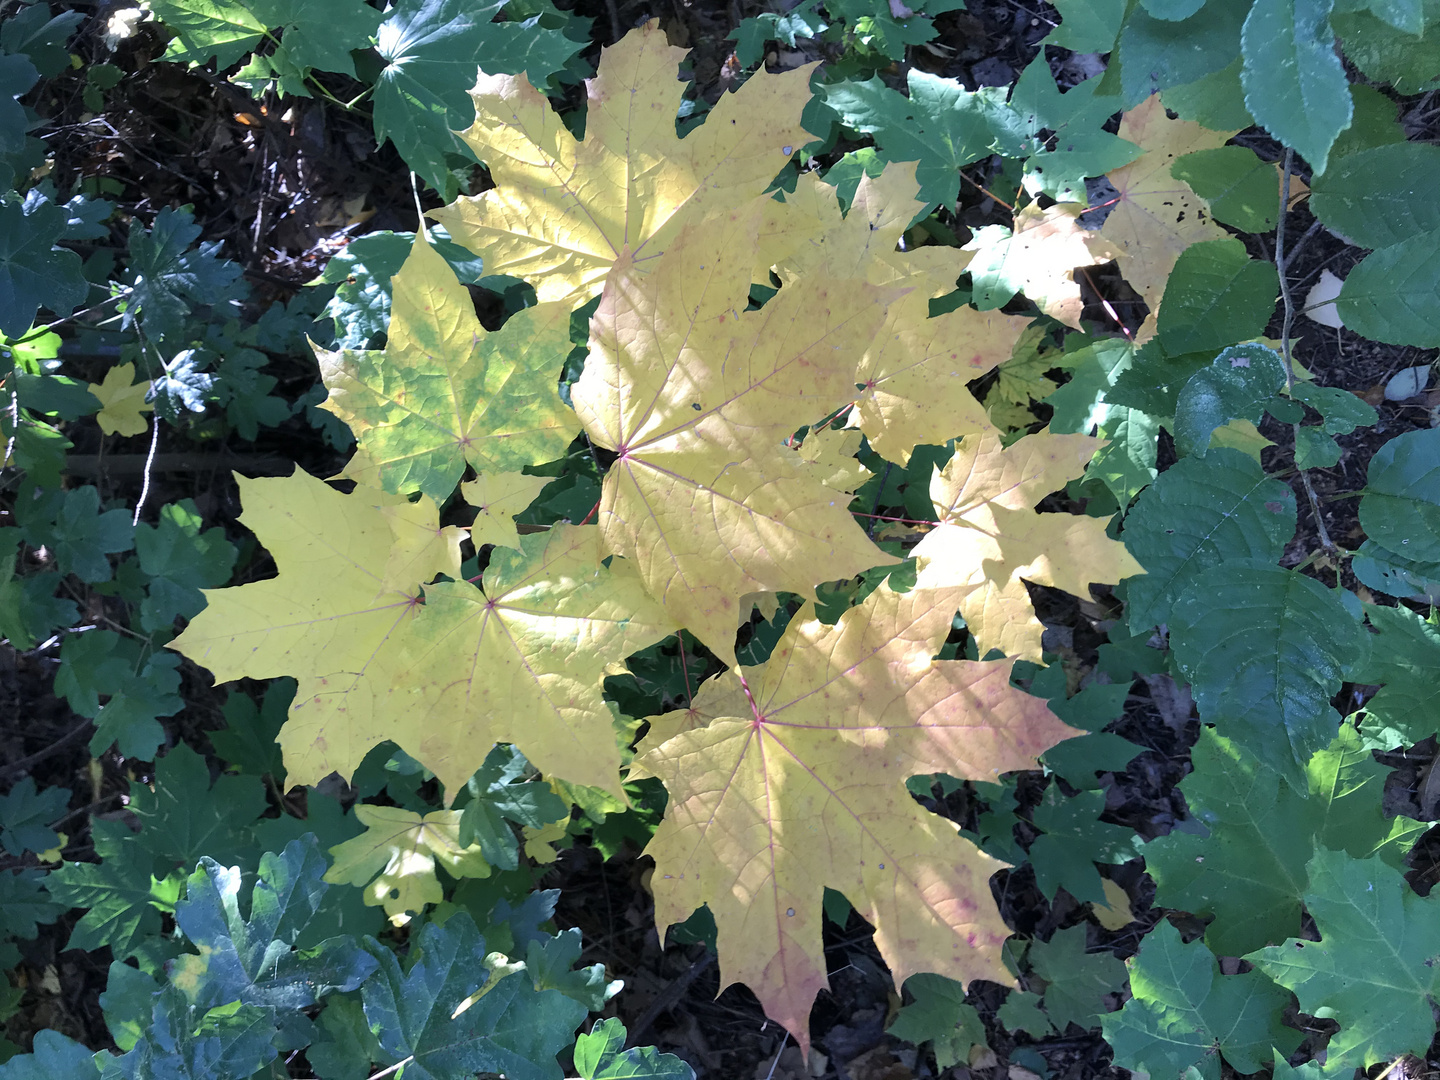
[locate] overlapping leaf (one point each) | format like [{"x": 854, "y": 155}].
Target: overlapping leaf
[
  {"x": 804, "y": 788},
  {"x": 694, "y": 395},
  {"x": 990, "y": 540},
  {"x": 563, "y": 210},
  {"x": 445, "y": 393},
  {"x": 1156, "y": 217}
]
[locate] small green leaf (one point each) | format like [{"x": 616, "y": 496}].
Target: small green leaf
[
  {"x": 1295, "y": 85},
  {"x": 1390, "y": 296},
  {"x": 247, "y": 742},
  {"x": 1341, "y": 410},
  {"x": 34, "y": 273},
  {"x": 1156, "y": 54},
  {"x": 1077, "y": 981},
  {"x": 1314, "y": 449},
  {"x": 939, "y": 1015},
  {"x": 25, "y": 815},
  {"x": 140, "y": 689},
  {"x": 1074, "y": 840},
  {"x": 1022, "y": 1012},
  {"x": 1088, "y": 25},
  {"x": 73, "y": 527},
  {"x": 180, "y": 560},
  {"x": 127, "y": 1002},
  {"x": 1408, "y": 62},
  {"x": 1238, "y": 385},
  {"x": 185, "y": 818},
  {"x": 601, "y": 1055}
]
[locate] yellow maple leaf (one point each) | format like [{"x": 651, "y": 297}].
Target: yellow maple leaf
[
  {"x": 499, "y": 497},
  {"x": 914, "y": 374},
  {"x": 520, "y": 660},
  {"x": 444, "y": 392},
  {"x": 830, "y": 452},
  {"x": 695, "y": 395},
  {"x": 350, "y": 570},
  {"x": 1155, "y": 216},
  {"x": 121, "y": 404},
  {"x": 562, "y": 211},
  {"x": 393, "y": 860},
  {"x": 803, "y": 787},
  {"x": 989, "y": 541},
  {"x": 1040, "y": 254}
]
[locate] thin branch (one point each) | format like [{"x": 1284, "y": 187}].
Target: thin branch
[
  {"x": 149, "y": 468},
  {"x": 1282, "y": 264},
  {"x": 40, "y": 755}
]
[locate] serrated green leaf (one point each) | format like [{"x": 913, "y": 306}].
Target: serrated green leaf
[
  {"x": 1216, "y": 295},
  {"x": 1238, "y": 385},
  {"x": 1379, "y": 196},
  {"x": 320, "y": 33},
  {"x": 1246, "y": 867},
  {"x": 184, "y": 818},
  {"x": 1405, "y": 659},
  {"x": 1077, "y": 981},
  {"x": 223, "y": 29},
  {"x": 1264, "y": 648},
  {"x": 940, "y": 1016},
  {"x": 941, "y": 125},
  {"x": 1074, "y": 120},
  {"x": 496, "y": 800},
  {"x": 55, "y": 1057},
  {"x": 25, "y": 815},
  {"x": 1156, "y": 54},
  {"x": 431, "y": 50},
  {"x": 1183, "y": 1010},
  {"x": 1341, "y": 411},
  {"x": 254, "y": 960},
  {"x": 1295, "y": 85},
  {"x": 1241, "y": 189},
  {"x": 75, "y": 529},
  {"x": 1401, "y": 508},
  {"x": 1346, "y": 787},
  {"x": 168, "y": 278},
  {"x": 1199, "y": 514},
  {"x": 416, "y": 1014},
  {"x": 24, "y": 907},
  {"x": 34, "y": 273},
  {"x": 1022, "y": 1012},
  {"x": 140, "y": 688},
  {"x": 247, "y": 742},
  {"x": 230, "y": 1042},
  {"x": 1074, "y": 840},
  {"x": 1375, "y": 966},
  {"x": 180, "y": 559},
  {"x": 1407, "y": 16},
  {"x": 122, "y": 898},
  {"x": 1407, "y": 62},
  {"x": 1390, "y": 296},
  {"x": 601, "y": 1055},
  {"x": 550, "y": 963}
]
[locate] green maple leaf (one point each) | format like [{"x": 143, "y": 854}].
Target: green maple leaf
[
  {"x": 1077, "y": 981},
  {"x": 123, "y": 900},
  {"x": 180, "y": 560},
  {"x": 431, "y": 50},
  {"x": 1183, "y": 1010},
  {"x": 1074, "y": 841},
  {"x": 34, "y": 273},
  {"x": 445, "y": 393},
  {"x": 939, "y": 1015},
  {"x": 24, "y": 907},
  {"x": 25, "y": 814},
  {"x": 1376, "y": 965},
  {"x": 601, "y": 1055},
  {"x": 416, "y": 1012},
  {"x": 184, "y": 817},
  {"x": 253, "y": 960}
]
